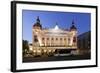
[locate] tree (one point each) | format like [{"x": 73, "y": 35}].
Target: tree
[{"x": 25, "y": 47}]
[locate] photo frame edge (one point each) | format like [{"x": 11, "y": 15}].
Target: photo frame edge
[{"x": 13, "y": 36}]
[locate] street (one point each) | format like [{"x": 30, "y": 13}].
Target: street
[{"x": 56, "y": 58}]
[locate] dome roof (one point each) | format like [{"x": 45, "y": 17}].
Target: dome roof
[
  {"x": 73, "y": 27},
  {"x": 37, "y": 25}
]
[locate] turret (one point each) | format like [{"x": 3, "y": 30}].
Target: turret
[
  {"x": 37, "y": 25},
  {"x": 73, "y": 31},
  {"x": 36, "y": 30},
  {"x": 73, "y": 28}
]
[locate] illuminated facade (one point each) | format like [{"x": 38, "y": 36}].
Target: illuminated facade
[{"x": 46, "y": 41}]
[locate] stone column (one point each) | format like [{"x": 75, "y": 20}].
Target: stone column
[
  {"x": 45, "y": 41},
  {"x": 50, "y": 41}
]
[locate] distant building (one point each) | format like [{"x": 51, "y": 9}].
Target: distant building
[
  {"x": 84, "y": 42},
  {"x": 53, "y": 39}
]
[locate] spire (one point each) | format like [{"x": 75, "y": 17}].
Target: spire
[
  {"x": 73, "y": 22},
  {"x": 38, "y": 20},
  {"x": 73, "y": 26}
]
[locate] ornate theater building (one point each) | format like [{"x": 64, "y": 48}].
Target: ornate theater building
[{"x": 53, "y": 40}]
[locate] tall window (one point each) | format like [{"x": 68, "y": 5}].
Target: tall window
[
  {"x": 74, "y": 39},
  {"x": 35, "y": 39},
  {"x": 47, "y": 38},
  {"x": 56, "y": 38},
  {"x": 68, "y": 41},
  {"x": 52, "y": 39},
  {"x": 65, "y": 39},
  {"x": 65, "y": 42},
  {"x": 43, "y": 39}
]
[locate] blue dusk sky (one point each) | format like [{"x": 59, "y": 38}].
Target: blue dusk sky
[{"x": 49, "y": 19}]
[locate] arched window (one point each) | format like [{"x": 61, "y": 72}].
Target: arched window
[
  {"x": 52, "y": 39},
  {"x": 35, "y": 38},
  {"x": 74, "y": 39},
  {"x": 56, "y": 38},
  {"x": 47, "y": 38},
  {"x": 43, "y": 39},
  {"x": 69, "y": 39},
  {"x": 65, "y": 39}
]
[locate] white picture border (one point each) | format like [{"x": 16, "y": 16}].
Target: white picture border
[{"x": 52, "y": 64}]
